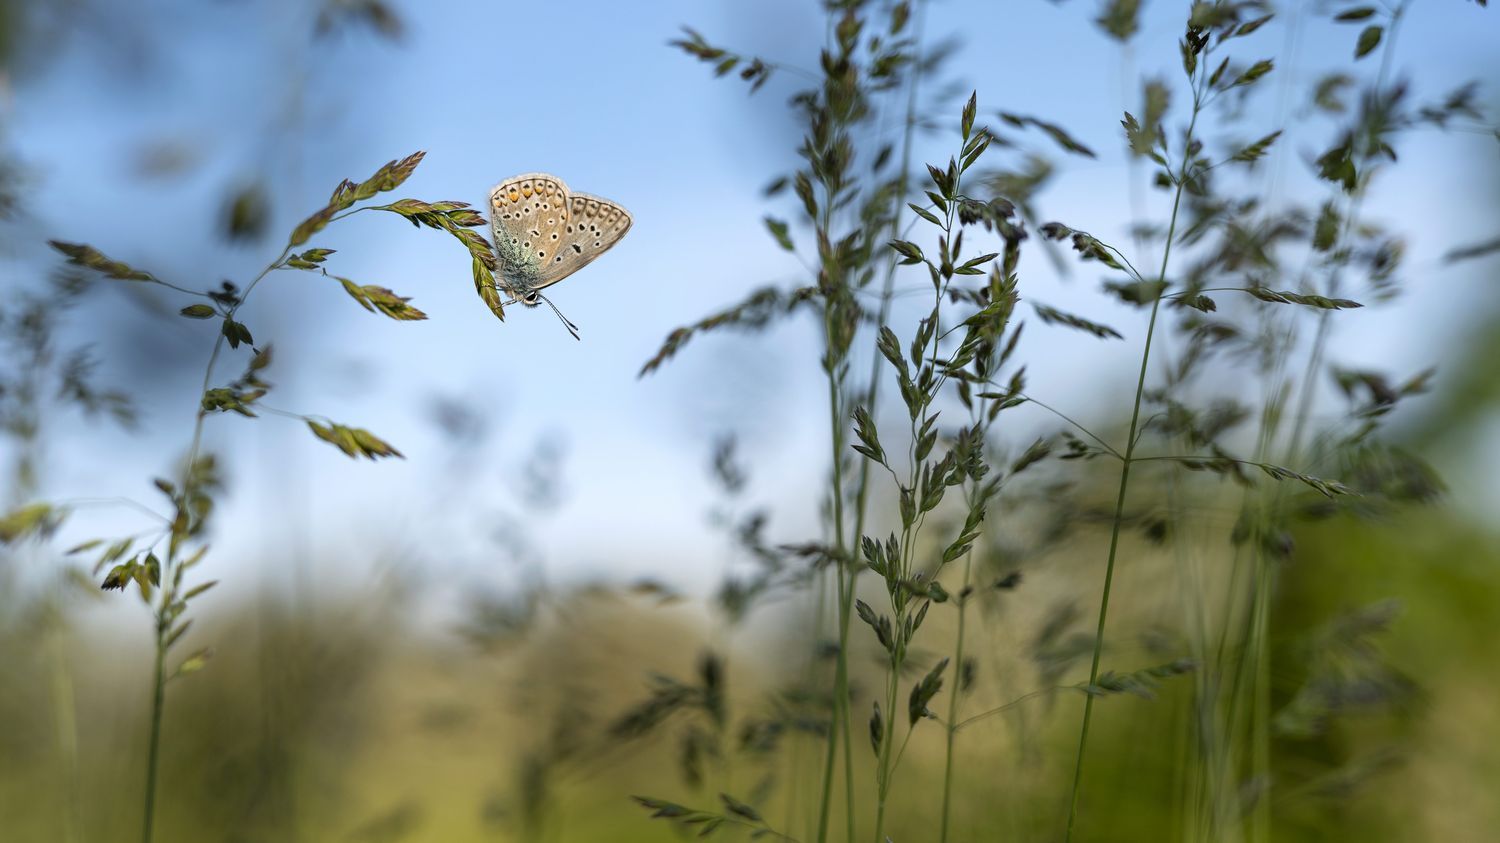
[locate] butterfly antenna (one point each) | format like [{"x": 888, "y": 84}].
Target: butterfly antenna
[{"x": 572, "y": 329}]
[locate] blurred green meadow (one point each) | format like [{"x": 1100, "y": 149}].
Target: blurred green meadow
[
  {"x": 803, "y": 540},
  {"x": 335, "y": 719}
]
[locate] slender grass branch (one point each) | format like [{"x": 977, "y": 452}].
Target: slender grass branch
[
  {"x": 1126, "y": 461},
  {"x": 1081, "y": 429},
  {"x": 158, "y": 695},
  {"x": 118, "y": 501},
  {"x": 985, "y": 715},
  {"x": 847, "y": 588},
  {"x": 953, "y": 700},
  {"x": 1257, "y": 650}
]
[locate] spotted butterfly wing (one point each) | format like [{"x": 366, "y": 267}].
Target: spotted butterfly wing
[
  {"x": 544, "y": 233},
  {"x": 592, "y": 226}
]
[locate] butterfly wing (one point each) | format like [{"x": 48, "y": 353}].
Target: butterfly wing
[
  {"x": 528, "y": 213},
  {"x": 591, "y": 226}
]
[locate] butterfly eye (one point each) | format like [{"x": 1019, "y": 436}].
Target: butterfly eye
[{"x": 530, "y": 298}]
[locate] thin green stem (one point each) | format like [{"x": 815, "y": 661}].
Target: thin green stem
[
  {"x": 1085, "y": 431},
  {"x": 1195, "y": 743},
  {"x": 1320, "y": 341},
  {"x": 1257, "y": 648},
  {"x": 336, "y": 217},
  {"x": 1130, "y": 444},
  {"x": 985, "y": 715},
  {"x": 898, "y": 656},
  {"x": 906, "y": 741},
  {"x": 833, "y": 362},
  {"x": 154, "y": 752},
  {"x": 169, "y": 285},
  {"x": 820, "y": 608},
  {"x": 1109, "y": 575},
  {"x": 117, "y": 501},
  {"x": 65, "y": 722},
  {"x": 908, "y": 553},
  {"x": 1260, "y": 725},
  {"x": 168, "y": 578},
  {"x": 840, "y": 719},
  {"x": 848, "y": 588},
  {"x": 245, "y": 296},
  {"x": 888, "y": 739},
  {"x": 952, "y": 729}
]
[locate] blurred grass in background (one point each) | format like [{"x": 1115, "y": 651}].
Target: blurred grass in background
[{"x": 337, "y": 719}]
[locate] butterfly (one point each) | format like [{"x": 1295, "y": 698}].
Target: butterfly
[{"x": 545, "y": 232}]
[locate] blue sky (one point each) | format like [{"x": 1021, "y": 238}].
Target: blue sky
[{"x": 590, "y": 91}]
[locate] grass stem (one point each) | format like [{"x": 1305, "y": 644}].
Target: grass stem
[
  {"x": 153, "y": 757},
  {"x": 1125, "y": 463}
]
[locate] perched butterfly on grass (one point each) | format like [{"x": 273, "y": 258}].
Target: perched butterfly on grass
[{"x": 545, "y": 232}]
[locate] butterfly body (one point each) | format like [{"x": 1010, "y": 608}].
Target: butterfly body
[{"x": 544, "y": 232}]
